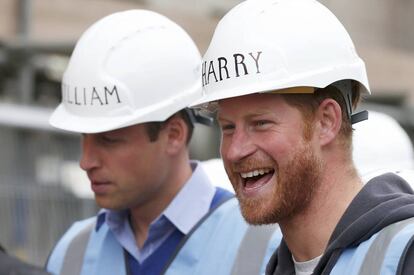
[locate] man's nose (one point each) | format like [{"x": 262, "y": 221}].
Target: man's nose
[
  {"x": 90, "y": 156},
  {"x": 239, "y": 146}
]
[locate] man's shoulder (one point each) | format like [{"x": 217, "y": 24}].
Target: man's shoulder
[
  {"x": 407, "y": 175},
  {"x": 78, "y": 228},
  {"x": 389, "y": 249},
  {"x": 85, "y": 226},
  {"x": 385, "y": 175},
  {"x": 82, "y": 224},
  {"x": 386, "y": 182}
]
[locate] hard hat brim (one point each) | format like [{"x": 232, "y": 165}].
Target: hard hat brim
[{"x": 64, "y": 120}]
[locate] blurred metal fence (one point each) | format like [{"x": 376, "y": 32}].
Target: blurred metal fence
[{"x": 33, "y": 218}]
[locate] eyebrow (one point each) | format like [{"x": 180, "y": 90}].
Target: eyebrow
[{"x": 247, "y": 116}]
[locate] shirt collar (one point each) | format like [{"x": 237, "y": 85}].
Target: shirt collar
[
  {"x": 101, "y": 219},
  {"x": 114, "y": 217},
  {"x": 190, "y": 204}
]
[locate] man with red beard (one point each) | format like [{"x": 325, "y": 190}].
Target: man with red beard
[{"x": 285, "y": 79}]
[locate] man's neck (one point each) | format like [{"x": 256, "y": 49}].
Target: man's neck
[
  {"x": 307, "y": 234},
  {"x": 142, "y": 215}
]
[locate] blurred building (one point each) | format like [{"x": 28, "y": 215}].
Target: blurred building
[{"x": 42, "y": 190}]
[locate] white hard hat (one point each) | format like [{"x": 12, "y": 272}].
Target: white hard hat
[
  {"x": 380, "y": 144},
  {"x": 130, "y": 67},
  {"x": 267, "y": 45}
]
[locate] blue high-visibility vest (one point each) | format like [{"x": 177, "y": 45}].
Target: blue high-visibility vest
[{"x": 222, "y": 244}]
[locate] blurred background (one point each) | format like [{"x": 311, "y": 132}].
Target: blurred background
[{"x": 42, "y": 189}]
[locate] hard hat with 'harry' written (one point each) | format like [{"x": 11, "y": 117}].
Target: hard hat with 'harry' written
[
  {"x": 268, "y": 45},
  {"x": 130, "y": 67}
]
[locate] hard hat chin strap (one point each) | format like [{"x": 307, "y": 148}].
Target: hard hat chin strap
[
  {"x": 197, "y": 117},
  {"x": 345, "y": 87},
  {"x": 358, "y": 117}
]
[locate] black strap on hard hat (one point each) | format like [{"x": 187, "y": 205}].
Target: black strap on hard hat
[
  {"x": 358, "y": 117},
  {"x": 345, "y": 87},
  {"x": 197, "y": 117}
]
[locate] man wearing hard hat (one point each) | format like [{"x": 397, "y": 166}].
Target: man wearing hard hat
[
  {"x": 285, "y": 78},
  {"x": 126, "y": 89}
]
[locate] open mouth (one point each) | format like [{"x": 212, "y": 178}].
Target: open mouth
[{"x": 256, "y": 178}]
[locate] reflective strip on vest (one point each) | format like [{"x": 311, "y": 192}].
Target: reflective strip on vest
[
  {"x": 56, "y": 259},
  {"x": 398, "y": 245},
  {"x": 252, "y": 249},
  {"x": 378, "y": 255},
  {"x": 76, "y": 252}
]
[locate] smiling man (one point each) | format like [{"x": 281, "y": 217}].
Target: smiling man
[
  {"x": 268, "y": 162},
  {"x": 286, "y": 116},
  {"x": 126, "y": 89}
]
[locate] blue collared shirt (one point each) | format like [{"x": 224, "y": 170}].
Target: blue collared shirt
[{"x": 190, "y": 204}]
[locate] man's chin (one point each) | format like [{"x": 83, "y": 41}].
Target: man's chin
[
  {"x": 257, "y": 220},
  {"x": 108, "y": 204},
  {"x": 256, "y": 214}
]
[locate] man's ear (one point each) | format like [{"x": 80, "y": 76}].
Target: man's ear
[
  {"x": 329, "y": 116},
  {"x": 176, "y": 134}
]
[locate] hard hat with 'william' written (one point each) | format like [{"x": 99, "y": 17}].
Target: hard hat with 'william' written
[
  {"x": 130, "y": 67},
  {"x": 279, "y": 45}
]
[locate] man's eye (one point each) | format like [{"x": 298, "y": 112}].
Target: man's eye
[
  {"x": 109, "y": 139},
  {"x": 227, "y": 128},
  {"x": 262, "y": 124}
]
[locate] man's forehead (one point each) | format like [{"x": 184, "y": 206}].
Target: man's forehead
[
  {"x": 122, "y": 130},
  {"x": 255, "y": 99},
  {"x": 249, "y": 105},
  {"x": 214, "y": 106}
]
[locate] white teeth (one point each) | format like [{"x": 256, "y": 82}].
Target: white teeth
[{"x": 254, "y": 173}]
